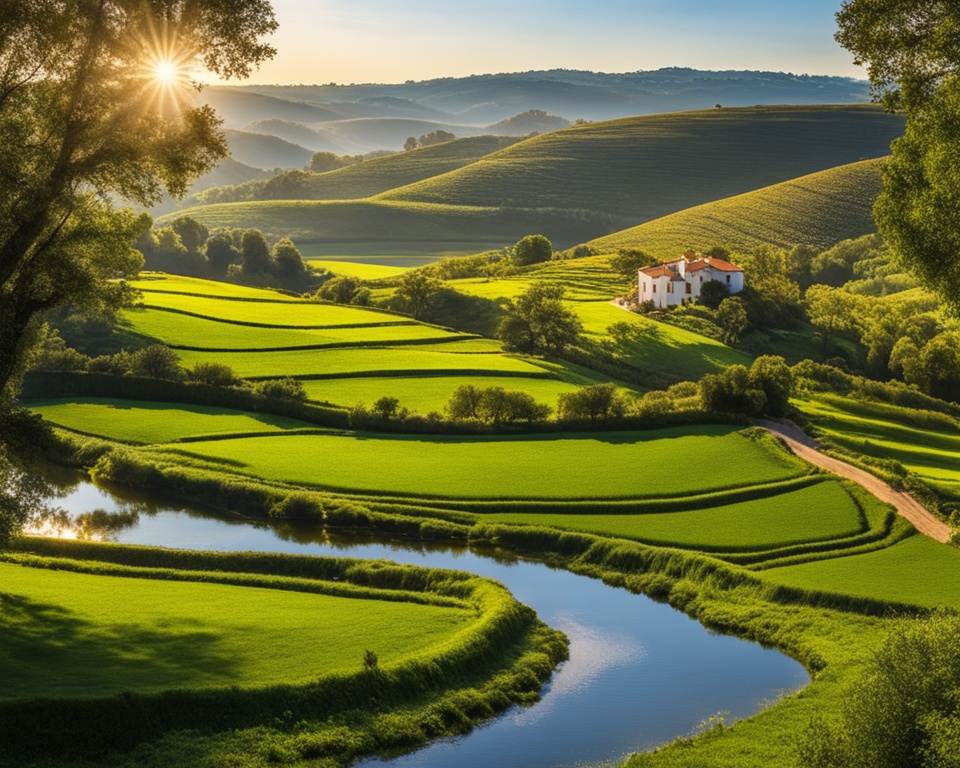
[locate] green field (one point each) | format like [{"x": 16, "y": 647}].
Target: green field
[
  {"x": 358, "y": 269},
  {"x": 818, "y": 512},
  {"x": 820, "y": 209},
  {"x": 924, "y": 443},
  {"x": 621, "y": 465},
  {"x": 427, "y": 393},
  {"x": 915, "y": 571},
  {"x": 80, "y": 635},
  {"x": 179, "y": 330},
  {"x": 136, "y": 421}
]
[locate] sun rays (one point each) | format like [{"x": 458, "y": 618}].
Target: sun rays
[{"x": 167, "y": 71}]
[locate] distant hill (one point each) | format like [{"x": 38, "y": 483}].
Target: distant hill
[
  {"x": 486, "y": 99},
  {"x": 819, "y": 210},
  {"x": 531, "y": 121},
  {"x": 573, "y": 185},
  {"x": 638, "y": 169},
  {"x": 263, "y": 151},
  {"x": 369, "y": 177},
  {"x": 362, "y": 135}
]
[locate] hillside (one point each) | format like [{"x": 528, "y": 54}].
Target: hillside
[
  {"x": 638, "y": 169},
  {"x": 264, "y": 151},
  {"x": 576, "y": 184},
  {"x": 820, "y": 209},
  {"x": 373, "y": 176}
]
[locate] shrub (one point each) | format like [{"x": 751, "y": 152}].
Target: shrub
[
  {"x": 214, "y": 374},
  {"x": 156, "y": 362},
  {"x": 593, "y": 402},
  {"x": 280, "y": 389},
  {"x": 532, "y": 249}
]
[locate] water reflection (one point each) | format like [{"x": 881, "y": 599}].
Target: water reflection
[{"x": 639, "y": 674}]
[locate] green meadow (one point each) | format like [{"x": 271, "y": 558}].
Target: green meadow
[
  {"x": 136, "y": 421},
  {"x": 358, "y": 269},
  {"x": 926, "y": 444},
  {"x": 621, "y": 465},
  {"x": 80, "y": 635},
  {"x": 179, "y": 330},
  {"x": 819, "y": 512}
]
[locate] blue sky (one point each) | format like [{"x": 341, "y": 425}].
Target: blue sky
[{"x": 389, "y": 41}]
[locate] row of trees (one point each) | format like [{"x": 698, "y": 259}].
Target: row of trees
[{"x": 188, "y": 247}]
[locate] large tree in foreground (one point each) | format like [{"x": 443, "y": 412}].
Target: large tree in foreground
[
  {"x": 96, "y": 102},
  {"x": 911, "y": 49}
]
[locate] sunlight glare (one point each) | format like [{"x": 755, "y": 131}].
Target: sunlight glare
[{"x": 165, "y": 72}]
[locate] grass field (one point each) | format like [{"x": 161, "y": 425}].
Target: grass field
[
  {"x": 148, "y": 422},
  {"x": 926, "y": 444},
  {"x": 79, "y": 635},
  {"x": 820, "y": 209},
  {"x": 915, "y": 571},
  {"x": 358, "y": 269},
  {"x": 622, "y": 465},
  {"x": 426, "y": 394},
  {"x": 816, "y": 513},
  {"x": 179, "y": 330}
]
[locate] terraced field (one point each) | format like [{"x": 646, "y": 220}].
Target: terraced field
[
  {"x": 927, "y": 444},
  {"x": 347, "y": 355}
]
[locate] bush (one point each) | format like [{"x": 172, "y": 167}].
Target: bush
[
  {"x": 532, "y": 249},
  {"x": 280, "y": 389},
  {"x": 214, "y": 374},
  {"x": 594, "y": 402},
  {"x": 157, "y": 362}
]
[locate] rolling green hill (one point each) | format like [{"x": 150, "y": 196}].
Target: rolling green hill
[
  {"x": 260, "y": 150},
  {"x": 820, "y": 209},
  {"x": 642, "y": 168},
  {"x": 572, "y": 185}
]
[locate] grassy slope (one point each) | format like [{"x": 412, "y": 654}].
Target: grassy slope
[
  {"x": 582, "y": 182},
  {"x": 150, "y": 422},
  {"x": 583, "y": 467},
  {"x": 819, "y": 209},
  {"x": 372, "y": 177},
  {"x": 645, "y": 167},
  {"x": 152, "y": 635},
  {"x": 816, "y": 513}
]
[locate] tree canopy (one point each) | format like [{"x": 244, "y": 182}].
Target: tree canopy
[
  {"x": 96, "y": 101},
  {"x": 911, "y": 49}
]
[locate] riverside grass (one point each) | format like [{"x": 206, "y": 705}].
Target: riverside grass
[
  {"x": 812, "y": 621},
  {"x": 492, "y": 654}
]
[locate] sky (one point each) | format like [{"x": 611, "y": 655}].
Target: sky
[{"x": 390, "y": 41}]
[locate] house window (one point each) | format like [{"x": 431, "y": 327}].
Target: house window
[
  {"x": 689, "y": 288},
  {"x": 669, "y": 287},
  {"x": 654, "y": 289},
  {"x": 701, "y": 278},
  {"x": 728, "y": 278}
]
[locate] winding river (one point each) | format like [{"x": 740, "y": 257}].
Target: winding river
[{"x": 640, "y": 673}]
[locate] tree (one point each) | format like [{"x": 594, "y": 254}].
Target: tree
[
  {"x": 464, "y": 403},
  {"x": 539, "y": 322},
  {"x": 192, "y": 233},
  {"x": 410, "y": 143},
  {"x": 629, "y": 261},
  {"x": 713, "y": 293},
  {"x": 223, "y": 249},
  {"x": 593, "y": 402},
  {"x": 255, "y": 253},
  {"x": 532, "y": 249},
  {"x": 341, "y": 289},
  {"x": 904, "y": 710},
  {"x": 732, "y": 318},
  {"x": 912, "y": 55},
  {"x": 415, "y": 292},
  {"x": 84, "y": 116},
  {"x": 438, "y": 136},
  {"x": 386, "y": 406},
  {"x": 321, "y": 162},
  {"x": 288, "y": 262},
  {"x": 772, "y": 375}
]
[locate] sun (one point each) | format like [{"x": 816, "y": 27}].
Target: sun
[{"x": 166, "y": 72}]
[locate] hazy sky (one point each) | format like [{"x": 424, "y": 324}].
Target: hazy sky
[{"x": 389, "y": 41}]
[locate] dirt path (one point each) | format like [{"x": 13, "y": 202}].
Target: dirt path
[{"x": 907, "y": 506}]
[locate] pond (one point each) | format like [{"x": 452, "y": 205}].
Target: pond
[{"x": 640, "y": 673}]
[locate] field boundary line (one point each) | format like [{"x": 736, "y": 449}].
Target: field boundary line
[{"x": 805, "y": 447}]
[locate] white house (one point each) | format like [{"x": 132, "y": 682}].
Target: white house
[{"x": 680, "y": 281}]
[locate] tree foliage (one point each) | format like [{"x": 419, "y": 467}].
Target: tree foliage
[
  {"x": 539, "y": 322},
  {"x": 81, "y": 119},
  {"x": 905, "y": 710},
  {"x": 911, "y": 49},
  {"x": 592, "y": 403},
  {"x": 532, "y": 249}
]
